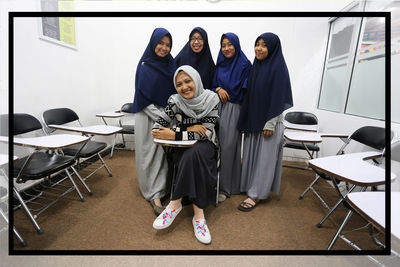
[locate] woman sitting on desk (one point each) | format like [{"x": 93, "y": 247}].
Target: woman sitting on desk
[{"x": 194, "y": 111}]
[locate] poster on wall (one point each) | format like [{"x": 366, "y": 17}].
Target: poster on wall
[{"x": 59, "y": 30}]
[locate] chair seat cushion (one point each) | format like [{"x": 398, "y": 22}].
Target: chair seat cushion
[
  {"x": 90, "y": 149},
  {"x": 128, "y": 129},
  {"x": 41, "y": 165},
  {"x": 311, "y": 147}
]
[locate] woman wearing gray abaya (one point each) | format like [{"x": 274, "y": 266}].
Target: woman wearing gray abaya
[
  {"x": 153, "y": 87},
  {"x": 269, "y": 94},
  {"x": 229, "y": 83}
]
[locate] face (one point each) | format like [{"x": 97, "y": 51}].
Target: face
[
  {"x": 185, "y": 85},
  {"x": 163, "y": 47},
  {"x": 227, "y": 48},
  {"x": 196, "y": 42},
  {"x": 261, "y": 49}
]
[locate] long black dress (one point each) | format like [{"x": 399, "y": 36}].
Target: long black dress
[{"x": 195, "y": 167}]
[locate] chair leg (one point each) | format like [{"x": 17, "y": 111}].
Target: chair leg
[
  {"x": 28, "y": 212},
  {"x": 216, "y": 201},
  {"x": 336, "y": 205},
  {"x": 309, "y": 187},
  {"x": 82, "y": 181},
  {"x": 113, "y": 145},
  {"x": 74, "y": 184},
  {"x": 105, "y": 165},
  {"x": 339, "y": 231},
  {"x": 21, "y": 240}
]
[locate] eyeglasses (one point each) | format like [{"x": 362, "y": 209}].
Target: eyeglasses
[{"x": 194, "y": 39}]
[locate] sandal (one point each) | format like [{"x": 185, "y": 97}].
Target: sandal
[
  {"x": 246, "y": 206},
  {"x": 157, "y": 210}
]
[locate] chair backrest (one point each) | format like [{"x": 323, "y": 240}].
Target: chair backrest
[
  {"x": 371, "y": 136},
  {"x": 59, "y": 116},
  {"x": 23, "y": 123},
  {"x": 127, "y": 108},
  {"x": 299, "y": 117}
]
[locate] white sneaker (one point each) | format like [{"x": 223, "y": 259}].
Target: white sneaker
[
  {"x": 166, "y": 217},
  {"x": 201, "y": 231}
]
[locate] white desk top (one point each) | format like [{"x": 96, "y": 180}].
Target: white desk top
[
  {"x": 4, "y": 159},
  {"x": 307, "y": 137},
  {"x": 110, "y": 114},
  {"x": 301, "y": 127},
  {"x": 352, "y": 168},
  {"x": 94, "y": 129},
  {"x": 371, "y": 205},
  {"x": 57, "y": 141},
  {"x": 174, "y": 143}
]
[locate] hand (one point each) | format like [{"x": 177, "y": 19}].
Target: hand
[
  {"x": 268, "y": 133},
  {"x": 223, "y": 94},
  {"x": 163, "y": 133},
  {"x": 198, "y": 128}
]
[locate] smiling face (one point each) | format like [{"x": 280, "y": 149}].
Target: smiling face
[
  {"x": 163, "y": 47},
  {"x": 261, "y": 49},
  {"x": 227, "y": 48},
  {"x": 185, "y": 85},
  {"x": 196, "y": 42}
]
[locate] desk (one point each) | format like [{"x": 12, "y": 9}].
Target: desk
[
  {"x": 303, "y": 137},
  {"x": 300, "y": 127},
  {"x": 93, "y": 130},
  {"x": 353, "y": 169},
  {"x": 173, "y": 143},
  {"x": 371, "y": 206},
  {"x": 52, "y": 142},
  {"x": 110, "y": 115}
]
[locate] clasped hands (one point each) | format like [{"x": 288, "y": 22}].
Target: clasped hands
[{"x": 168, "y": 134}]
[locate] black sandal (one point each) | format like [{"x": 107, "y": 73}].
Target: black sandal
[{"x": 246, "y": 206}]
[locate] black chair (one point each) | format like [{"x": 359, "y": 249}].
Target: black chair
[
  {"x": 60, "y": 116},
  {"x": 126, "y": 128},
  {"x": 371, "y": 136},
  {"x": 301, "y": 121},
  {"x": 40, "y": 164},
  {"x": 4, "y": 204}
]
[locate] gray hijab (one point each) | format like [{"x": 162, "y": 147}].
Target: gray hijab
[{"x": 203, "y": 100}]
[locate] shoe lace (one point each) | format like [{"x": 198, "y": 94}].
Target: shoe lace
[
  {"x": 167, "y": 215},
  {"x": 201, "y": 227}
]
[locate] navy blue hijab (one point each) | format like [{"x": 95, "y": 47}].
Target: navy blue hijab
[
  {"x": 231, "y": 73},
  {"x": 202, "y": 61},
  {"x": 153, "y": 81},
  {"x": 269, "y": 92}
]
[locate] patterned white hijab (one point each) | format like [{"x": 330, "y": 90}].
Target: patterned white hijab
[{"x": 203, "y": 101}]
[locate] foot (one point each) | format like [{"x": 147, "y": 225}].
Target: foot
[
  {"x": 201, "y": 231},
  {"x": 248, "y": 204},
  {"x": 221, "y": 197},
  {"x": 157, "y": 208},
  {"x": 166, "y": 218}
]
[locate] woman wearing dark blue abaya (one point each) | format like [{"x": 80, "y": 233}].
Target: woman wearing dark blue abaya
[
  {"x": 269, "y": 95},
  {"x": 153, "y": 87},
  {"x": 196, "y": 53},
  {"x": 230, "y": 81}
]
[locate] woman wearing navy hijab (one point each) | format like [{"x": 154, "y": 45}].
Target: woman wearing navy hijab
[
  {"x": 230, "y": 80},
  {"x": 197, "y": 54},
  {"x": 269, "y": 95},
  {"x": 153, "y": 87}
]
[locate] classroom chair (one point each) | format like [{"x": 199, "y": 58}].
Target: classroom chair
[
  {"x": 62, "y": 116},
  {"x": 43, "y": 162}
]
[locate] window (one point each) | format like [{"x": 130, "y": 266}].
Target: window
[{"x": 354, "y": 74}]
